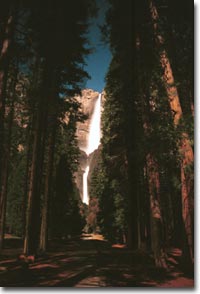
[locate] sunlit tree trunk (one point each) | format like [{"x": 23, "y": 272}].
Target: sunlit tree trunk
[{"x": 186, "y": 151}]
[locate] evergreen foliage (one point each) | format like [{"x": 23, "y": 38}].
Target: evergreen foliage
[
  {"x": 140, "y": 169},
  {"x": 41, "y": 72}
]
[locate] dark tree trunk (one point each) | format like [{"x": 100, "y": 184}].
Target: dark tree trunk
[
  {"x": 132, "y": 218},
  {"x": 143, "y": 214},
  {"x": 47, "y": 190},
  {"x": 30, "y": 138},
  {"x": 5, "y": 165},
  {"x": 32, "y": 228},
  {"x": 155, "y": 210},
  {"x": 33, "y": 201},
  {"x": 4, "y": 64}
]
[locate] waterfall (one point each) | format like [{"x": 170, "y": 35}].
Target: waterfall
[
  {"x": 92, "y": 144},
  {"x": 85, "y": 186}
]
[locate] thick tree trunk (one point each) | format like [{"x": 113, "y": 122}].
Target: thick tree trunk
[
  {"x": 133, "y": 174},
  {"x": 33, "y": 221},
  {"x": 33, "y": 201},
  {"x": 147, "y": 211},
  {"x": 155, "y": 210},
  {"x": 143, "y": 214},
  {"x": 143, "y": 197},
  {"x": 47, "y": 191},
  {"x": 4, "y": 63},
  {"x": 5, "y": 165},
  {"x": 184, "y": 146},
  {"x": 187, "y": 157},
  {"x": 187, "y": 195},
  {"x": 30, "y": 137},
  {"x": 132, "y": 218},
  {"x": 32, "y": 228}
]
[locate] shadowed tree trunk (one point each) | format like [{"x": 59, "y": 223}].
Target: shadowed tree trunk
[
  {"x": 29, "y": 142},
  {"x": 47, "y": 189},
  {"x": 5, "y": 162},
  {"x": 4, "y": 64},
  {"x": 32, "y": 228},
  {"x": 155, "y": 212},
  {"x": 132, "y": 220},
  {"x": 33, "y": 200}
]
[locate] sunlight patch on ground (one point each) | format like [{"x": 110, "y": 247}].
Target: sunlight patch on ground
[
  {"x": 92, "y": 237},
  {"x": 118, "y": 246},
  {"x": 180, "y": 282},
  {"x": 9, "y": 236},
  {"x": 7, "y": 261},
  {"x": 49, "y": 283},
  {"x": 44, "y": 265},
  {"x": 92, "y": 282}
]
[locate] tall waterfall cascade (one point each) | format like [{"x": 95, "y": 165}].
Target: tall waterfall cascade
[
  {"x": 92, "y": 144},
  {"x": 85, "y": 185}
]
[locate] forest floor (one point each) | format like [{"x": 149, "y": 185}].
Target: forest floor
[{"x": 89, "y": 261}]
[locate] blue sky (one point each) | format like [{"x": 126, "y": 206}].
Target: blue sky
[{"x": 99, "y": 60}]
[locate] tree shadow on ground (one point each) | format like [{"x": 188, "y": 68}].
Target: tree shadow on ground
[{"x": 91, "y": 263}]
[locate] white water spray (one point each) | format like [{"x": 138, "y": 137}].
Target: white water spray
[
  {"x": 85, "y": 186},
  {"x": 95, "y": 128},
  {"x": 92, "y": 144}
]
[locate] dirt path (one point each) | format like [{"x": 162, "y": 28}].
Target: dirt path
[{"x": 90, "y": 263}]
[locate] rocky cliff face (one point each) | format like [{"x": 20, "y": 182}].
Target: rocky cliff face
[{"x": 87, "y": 100}]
